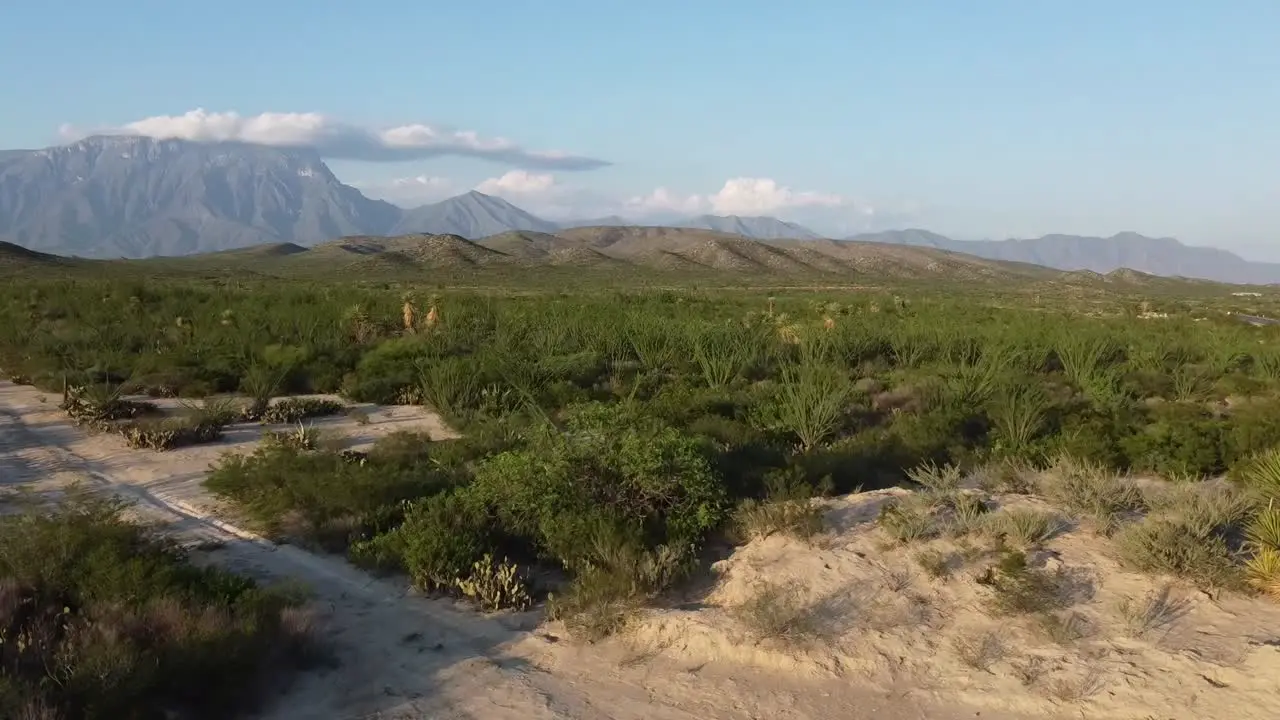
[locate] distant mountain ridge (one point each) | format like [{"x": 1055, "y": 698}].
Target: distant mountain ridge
[
  {"x": 1165, "y": 257},
  {"x": 134, "y": 197}
]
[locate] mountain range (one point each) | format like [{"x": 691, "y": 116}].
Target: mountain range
[{"x": 136, "y": 197}]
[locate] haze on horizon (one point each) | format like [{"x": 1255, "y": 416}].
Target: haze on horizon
[{"x": 992, "y": 118}]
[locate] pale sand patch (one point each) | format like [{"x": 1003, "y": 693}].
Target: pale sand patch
[{"x": 881, "y": 617}]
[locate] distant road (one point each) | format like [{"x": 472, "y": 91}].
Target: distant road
[{"x": 1256, "y": 320}]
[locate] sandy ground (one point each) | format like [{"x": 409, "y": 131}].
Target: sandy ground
[
  {"x": 401, "y": 656},
  {"x": 883, "y": 619}
]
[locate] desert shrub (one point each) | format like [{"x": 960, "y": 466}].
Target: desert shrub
[
  {"x": 980, "y": 650},
  {"x": 1260, "y": 475},
  {"x": 1157, "y": 610},
  {"x": 391, "y": 367},
  {"x": 440, "y": 539},
  {"x": 1024, "y": 527},
  {"x": 609, "y": 467},
  {"x": 102, "y": 403},
  {"x": 168, "y": 433},
  {"x": 1253, "y": 428},
  {"x": 1180, "y": 440},
  {"x": 319, "y": 496},
  {"x": 494, "y": 587},
  {"x": 811, "y": 400},
  {"x": 1097, "y": 433},
  {"x": 297, "y": 409},
  {"x": 1018, "y": 588},
  {"x": 449, "y": 385},
  {"x": 1089, "y": 490},
  {"x": 1178, "y": 546},
  {"x": 779, "y": 613},
  {"x": 935, "y": 563},
  {"x": 909, "y": 519},
  {"x": 723, "y": 353},
  {"x": 300, "y": 437},
  {"x": 788, "y": 508},
  {"x": 1263, "y": 567},
  {"x": 219, "y": 412},
  {"x": 616, "y": 578},
  {"x": 99, "y": 618},
  {"x": 405, "y": 449},
  {"x": 1018, "y": 414},
  {"x": 969, "y": 513}
]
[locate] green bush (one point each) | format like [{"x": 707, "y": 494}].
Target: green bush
[
  {"x": 607, "y": 467},
  {"x": 100, "y": 619},
  {"x": 439, "y": 540},
  {"x": 320, "y": 496},
  {"x": 1180, "y": 440}
]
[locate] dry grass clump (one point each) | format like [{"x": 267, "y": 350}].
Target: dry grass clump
[
  {"x": 1088, "y": 490},
  {"x": 936, "y": 564},
  {"x": 1025, "y": 527},
  {"x": 779, "y": 612},
  {"x": 1157, "y": 610},
  {"x": 938, "y": 480},
  {"x": 980, "y": 650},
  {"x": 1186, "y": 534},
  {"x": 1076, "y": 688},
  {"x": 910, "y": 519},
  {"x": 1017, "y": 588},
  {"x": 756, "y": 520},
  {"x": 1065, "y": 629},
  {"x": 789, "y": 508}
]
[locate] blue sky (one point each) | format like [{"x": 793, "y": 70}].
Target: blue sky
[{"x": 985, "y": 118}]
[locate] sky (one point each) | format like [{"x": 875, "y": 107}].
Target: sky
[{"x": 974, "y": 118}]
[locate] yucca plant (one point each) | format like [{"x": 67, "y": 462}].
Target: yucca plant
[
  {"x": 1264, "y": 571},
  {"x": 1018, "y": 414},
  {"x": 1083, "y": 357},
  {"x": 722, "y": 354},
  {"x": 1188, "y": 383},
  {"x": 1262, "y": 476},
  {"x": 1263, "y": 532},
  {"x": 448, "y": 385},
  {"x": 262, "y": 382},
  {"x": 811, "y": 401}
]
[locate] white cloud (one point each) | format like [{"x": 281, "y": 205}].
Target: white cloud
[
  {"x": 409, "y": 191},
  {"x": 338, "y": 140},
  {"x": 663, "y": 201},
  {"x": 543, "y": 194},
  {"x": 518, "y": 182},
  {"x": 762, "y": 196},
  {"x": 738, "y": 196}
]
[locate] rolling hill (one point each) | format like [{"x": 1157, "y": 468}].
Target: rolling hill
[{"x": 1165, "y": 257}]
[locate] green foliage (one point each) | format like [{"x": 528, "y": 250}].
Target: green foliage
[
  {"x": 788, "y": 508},
  {"x": 1019, "y": 414},
  {"x": 494, "y": 587},
  {"x": 608, "y": 467},
  {"x": 1018, "y": 588},
  {"x": 294, "y": 410},
  {"x": 100, "y": 619},
  {"x": 320, "y": 496},
  {"x": 811, "y": 400},
  {"x": 1180, "y": 440},
  {"x": 439, "y": 540}
]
